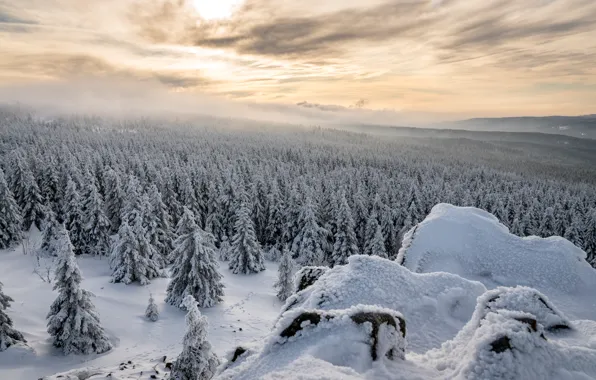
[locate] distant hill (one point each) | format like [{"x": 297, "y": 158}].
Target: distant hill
[{"x": 576, "y": 126}]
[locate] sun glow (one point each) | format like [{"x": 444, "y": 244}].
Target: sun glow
[{"x": 216, "y": 9}]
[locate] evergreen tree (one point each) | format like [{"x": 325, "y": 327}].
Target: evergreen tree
[
  {"x": 73, "y": 216},
  {"x": 96, "y": 226},
  {"x": 114, "y": 199},
  {"x": 196, "y": 361},
  {"x": 547, "y": 224},
  {"x": 246, "y": 256},
  {"x": 345, "y": 238},
  {"x": 370, "y": 233},
  {"x": 10, "y": 216},
  {"x": 573, "y": 233},
  {"x": 225, "y": 250},
  {"x": 32, "y": 208},
  {"x": 8, "y": 335},
  {"x": 517, "y": 227},
  {"x": 376, "y": 246},
  {"x": 152, "y": 312},
  {"x": 72, "y": 321},
  {"x": 131, "y": 255},
  {"x": 195, "y": 269},
  {"x": 589, "y": 237},
  {"x": 308, "y": 246},
  {"x": 274, "y": 228},
  {"x": 159, "y": 228},
  {"x": 50, "y": 232},
  {"x": 285, "y": 282}
]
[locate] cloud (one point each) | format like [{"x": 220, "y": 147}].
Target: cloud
[
  {"x": 450, "y": 32},
  {"x": 77, "y": 66}
]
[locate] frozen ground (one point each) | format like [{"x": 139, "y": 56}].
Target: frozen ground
[{"x": 247, "y": 313}]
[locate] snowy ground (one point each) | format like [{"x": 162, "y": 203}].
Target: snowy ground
[
  {"x": 247, "y": 313},
  {"x": 455, "y": 324}
]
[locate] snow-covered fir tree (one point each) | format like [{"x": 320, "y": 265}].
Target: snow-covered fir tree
[
  {"x": 32, "y": 208},
  {"x": 285, "y": 275},
  {"x": 376, "y": 246},
  {"x": 246, "y": 256},
  {"x": 573, "y": 233},
  {"x": 10, "y": 216},
  {"x": 225, "y": 249},
  {"x": 195, "y": 270},
  {"x": 547, "y": 224},
  {"x": 50, "y": 232},
  {"x": 370, "y": 232},
  {"x": 589, "y": 237},
  {"x": 131, "y": 258},
  {"x": 73, "y": 216},
  {"x": 95, "y": 224},
  {"x": 159, "y": 228},
  {"x": 73, "y": 321},
  {"x": 114, "y": 199},
  {"x": 197, "y": 360},
  {"x": 308, "y": 247},
  {"x": 345, "y": 238},
  {"x": 152, "y": 312},
  {"x": 8, "y": 335}
]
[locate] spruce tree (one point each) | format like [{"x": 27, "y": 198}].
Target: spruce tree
[
  {"x": 152, "y": 312},
  {"x": 10, "y": 216},
  {"x": 376, "y": 246},
  {"x": 159, "y": 224},
  {"x": 345, "y": 238},
  {"x": 131, "y": 255},
  {"x": 72, "y": 321},
  {"x": 573, "y": 232},
  {"x": 197, "y": 360},
  {"x": 95, "y": 225},
  {"x": 73, "y": 216},
  {"x": 8, "y": 335},
  {"x": 308, "y": 247},
  {"x": 547, "y": 224},
  {"x": 246, "y": 256},
  {"x": 372, "y": 225},
  {"x": 195, "y": 269},
  {"x": 114, "y": 199},
  {"x": 32, "y": 208},
  {"x": 50, "y": 232},
  {"x": 589, "y": 237},
  {"x": 225, "y": 250},
  {"x": 285, "y": 276}
]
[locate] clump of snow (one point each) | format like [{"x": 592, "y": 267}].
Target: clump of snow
[
  {"x": 435, "y": 305},
  {"x": 473, "y": 244}
]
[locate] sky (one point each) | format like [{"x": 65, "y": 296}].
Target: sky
[{"x": 430, "y": 59}]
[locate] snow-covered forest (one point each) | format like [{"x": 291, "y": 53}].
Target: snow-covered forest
[
  {"x": 320, "y": 192},
  {"x": 177, "y": 198}
]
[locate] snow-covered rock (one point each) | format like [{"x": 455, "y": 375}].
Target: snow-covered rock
[
  {"x": 435, "y": 305},
  {"x": 473, "y": 244}
]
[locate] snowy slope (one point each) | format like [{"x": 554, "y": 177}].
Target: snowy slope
[
  {"x": 247, "y": 313},
  {"x": 512, "y": 333},
  {"x": 473, "y": 244}
]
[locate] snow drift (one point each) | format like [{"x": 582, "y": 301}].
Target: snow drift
[{"x": 473, "y": 244}]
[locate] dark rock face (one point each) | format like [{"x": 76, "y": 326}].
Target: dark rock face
[
  {"x": 313, "y": 317},
  {"x": 501, "y": 344},
  {"x": 377, "y": 319},
  {"x": 237, "y": 353},
  {"x": 307, "y": 276}
]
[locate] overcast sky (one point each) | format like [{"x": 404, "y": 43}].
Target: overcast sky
[{"x": 448, "y": 58}]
